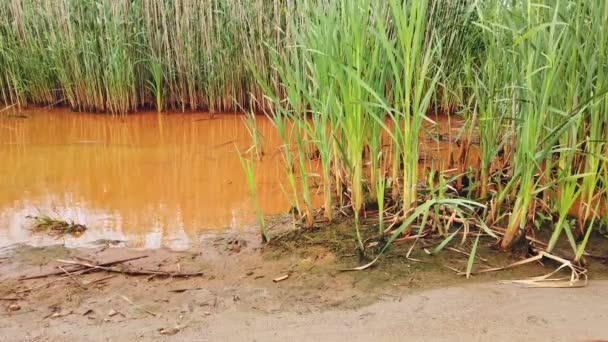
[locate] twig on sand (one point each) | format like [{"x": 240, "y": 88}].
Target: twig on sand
[
  {"x": 186, "y": 289},
  {"x": 139, "y": 306},
  {"x": 42, "y": 285},
  {"x": 100, "y": 279},
  {"x": 132, "y": 272},
  {"x": 20, "y": 312},
  {"x": 80, "y": 269},
  {"x": 76, "y": 281},
  {"x": 453, "y": 269}
]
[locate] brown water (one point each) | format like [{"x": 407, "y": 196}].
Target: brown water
[
  {"x": 150, "y": 180},
  {"x": 147, "y": 179}
]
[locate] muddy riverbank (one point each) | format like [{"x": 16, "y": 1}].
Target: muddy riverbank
[{"x": 239, "y": 298}]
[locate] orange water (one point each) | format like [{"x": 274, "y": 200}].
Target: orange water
[{"x": 150, "y": 180}]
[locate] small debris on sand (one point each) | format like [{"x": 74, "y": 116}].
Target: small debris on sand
[
  {"x": 281, "y": 278},
  {"x": 169, "y": 331}
]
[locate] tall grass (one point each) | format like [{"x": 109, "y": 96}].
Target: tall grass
[
  {"x": 118, "y": 56},
  {"x": 551, "y": 69},
  {"x": 248, "y": 166},
  {"x": 530, "y": 76}
]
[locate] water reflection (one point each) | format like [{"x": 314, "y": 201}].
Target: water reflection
[{"x": 152, "y": 180}]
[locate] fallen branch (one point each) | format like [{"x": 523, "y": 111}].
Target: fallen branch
[
  {"x": 132, "y": 272},
  {"x": 80, "y": 269}
]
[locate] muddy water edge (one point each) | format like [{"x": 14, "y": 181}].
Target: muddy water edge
[{"x": 172, "y": 189}]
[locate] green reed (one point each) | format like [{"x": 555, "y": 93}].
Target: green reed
[
  {"x": 156, "y": 84},
  {"x": 251, "y": 124},
  {"x": 249, "y": 170},
  {"x": 363, "y": 71}
]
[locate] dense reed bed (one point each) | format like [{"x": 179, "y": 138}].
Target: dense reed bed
[
  {"x": 527, "y": 77},
  {"x": 118, "y": 56},
  {"x": 350, "y": 86}
]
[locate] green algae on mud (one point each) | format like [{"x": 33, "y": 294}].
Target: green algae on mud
[{"x": 55, "y": 227}]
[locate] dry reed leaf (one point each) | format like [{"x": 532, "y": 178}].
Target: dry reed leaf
[{"x": 578, "y": 276}]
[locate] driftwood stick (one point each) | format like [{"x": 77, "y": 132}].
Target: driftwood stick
[
  {"x": 71, "y": 277},
  {"x": 132, "y": 272},
  {"x": 42, "y": 285},
  {"x": 100, "y": 279},
  {"x": 83, "y": 269},
  {"x": 64, "y": 278}
]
